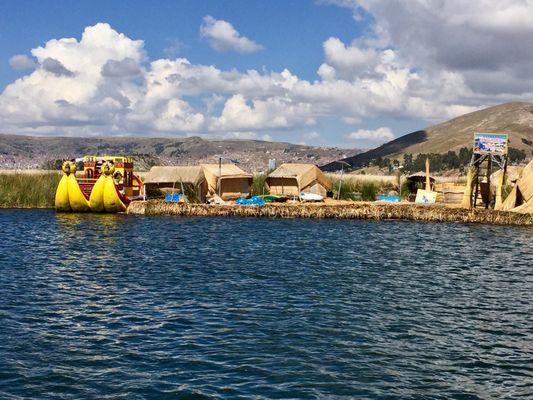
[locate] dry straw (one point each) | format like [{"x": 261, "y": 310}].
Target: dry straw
[{"x": 359, "y": 210}]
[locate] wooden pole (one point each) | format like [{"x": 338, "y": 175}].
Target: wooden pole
[
  {"x": 467, "y": 196},
  {"x": 398, "y": 182},
  {"x": 489, "y": 171},
  {"x": 340, "y": 183},
  {"x": 220, "y": 177},
  {"x": 428, "y": 181}
]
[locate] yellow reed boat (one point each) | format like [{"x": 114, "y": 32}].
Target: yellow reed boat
[{"x": 108, "y": 185}]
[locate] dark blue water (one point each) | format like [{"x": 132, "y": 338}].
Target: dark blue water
[{"x": 111, "y": 306}]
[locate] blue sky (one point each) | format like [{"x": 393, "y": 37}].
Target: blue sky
[
  {"x": 162, "y": 24},
  {"x": 355, "y": 75}
]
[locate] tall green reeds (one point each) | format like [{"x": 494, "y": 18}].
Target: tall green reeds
[
  {"x": 259, "y": 186},
  {"x": 24, "y": 190},
  {"x": 360, "y": 189}
]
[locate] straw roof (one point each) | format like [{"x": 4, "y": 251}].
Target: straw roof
[
  {"x": 228, "y": 170},
  {"x": 420, "y": 175},
  {"x": 525, "y": 183},
  {"x": 305, "y": 174},
  {"x": 522, "y": 193},
  {"x": 171, "y": 174}
]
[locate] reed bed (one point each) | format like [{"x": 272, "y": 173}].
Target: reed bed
[
  {"x": 354, "y": 210},
  {"x": 26, "y": 190},
  {"x": 366, "y": 189}
]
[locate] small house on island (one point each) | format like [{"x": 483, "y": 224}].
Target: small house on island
[
  {"x": 293, "y": 179},
  {"x": 234, "y": 182},
  {"x": 173, "y": 179},
  {"x": 418, "y": 181}
]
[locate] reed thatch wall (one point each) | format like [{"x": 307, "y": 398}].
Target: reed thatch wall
[{"x": 359, "y": 210}]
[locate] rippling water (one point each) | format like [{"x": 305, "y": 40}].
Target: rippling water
[{"x": 111, "y": 306}]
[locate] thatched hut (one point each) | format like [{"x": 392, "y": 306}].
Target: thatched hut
[
  {"x": 167, "y": 179},
  {"x": 293, "y": 179},
  {"x": 233, "y": 181},
  {"x": 521, "y": 197},
  {"x": 418, "y": 180}
]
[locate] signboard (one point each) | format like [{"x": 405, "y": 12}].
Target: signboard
[
  {"x": 425, "y": 197},
  {"x": 490, "y": 143}
]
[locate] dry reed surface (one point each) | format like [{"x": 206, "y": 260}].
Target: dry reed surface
[{"x": 344, "y": 210}]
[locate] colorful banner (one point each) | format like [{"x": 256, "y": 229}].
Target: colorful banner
[{"x": 490, "y": 143}]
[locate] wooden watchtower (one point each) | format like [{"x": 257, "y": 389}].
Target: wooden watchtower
[{"x": 489, "y": 155}]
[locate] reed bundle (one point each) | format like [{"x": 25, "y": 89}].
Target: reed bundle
[{"x": 355, "y": 210}]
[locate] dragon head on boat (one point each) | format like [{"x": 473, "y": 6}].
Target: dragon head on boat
[
  {"x": 107, "y": 168},
  {"x": 68, "y": 167}
]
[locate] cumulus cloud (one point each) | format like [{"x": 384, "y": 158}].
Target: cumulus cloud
[
  {"x": 223, "y": 37},
  {"x": 482, "y": 41},
  {"x": 104, "y": 83},
  {"x": 275, "y": 112},
  {"x": 22, "y": 61},
  {"x": 379, "y": 135},
  {"x": 347, "y": 62}
]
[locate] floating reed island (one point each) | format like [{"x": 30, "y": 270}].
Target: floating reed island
[{"x": 341, "y": 210}]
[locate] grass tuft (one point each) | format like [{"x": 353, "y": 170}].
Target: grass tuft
[{"x": 259, "y": 186}]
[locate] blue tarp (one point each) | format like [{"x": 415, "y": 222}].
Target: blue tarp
[
  {"x": 254, "y": 201},
  {"x": 394, "y": 199},
  {"x": 173, "y": 198}
]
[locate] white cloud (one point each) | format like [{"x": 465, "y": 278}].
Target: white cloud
[
  {"x": 22, "y": 61},
  {"x": 274, "y": 112},
  {"x": 379, "y": 135},
  {"x": 104, "y": 83},
  {"x": 347, "y": 61},
  {"x": 223, "y": 37},
  {"x": 70, "y": 92},
  {"x": 482, "y": 41}
]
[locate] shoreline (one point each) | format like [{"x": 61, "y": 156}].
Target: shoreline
[{"x": 349, "y": 210}]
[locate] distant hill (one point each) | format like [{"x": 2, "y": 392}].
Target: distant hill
[
  {"x": 515, "y": 119},
  {"x": 253, "y": 155}
]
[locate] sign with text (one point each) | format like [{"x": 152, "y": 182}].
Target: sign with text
[{"x": 490, "y": 143}]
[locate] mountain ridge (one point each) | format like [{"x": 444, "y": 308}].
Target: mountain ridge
[
  {"x": 21, "y": 152},
  {"x": 515, "y": 119}
]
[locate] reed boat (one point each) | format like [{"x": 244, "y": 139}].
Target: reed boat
[{"x": 107, "y": 185}]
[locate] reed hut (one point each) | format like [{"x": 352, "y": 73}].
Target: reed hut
[
  {"x": 293, "y": 179},
  {"x": 521, "y": 197},
  {"x": 170, "y": 179},
  {"x": 228, "y": 180},
  {"x": 449, "y": 192},
  {"x": 418, "y": 180}
]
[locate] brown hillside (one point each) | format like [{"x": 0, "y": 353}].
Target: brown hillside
[
  {"x": 515, "y": 119},
  {"x": 20, "y": 152}
]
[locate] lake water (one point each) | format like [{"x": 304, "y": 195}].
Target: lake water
[{"x": 114, "y": 306}]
